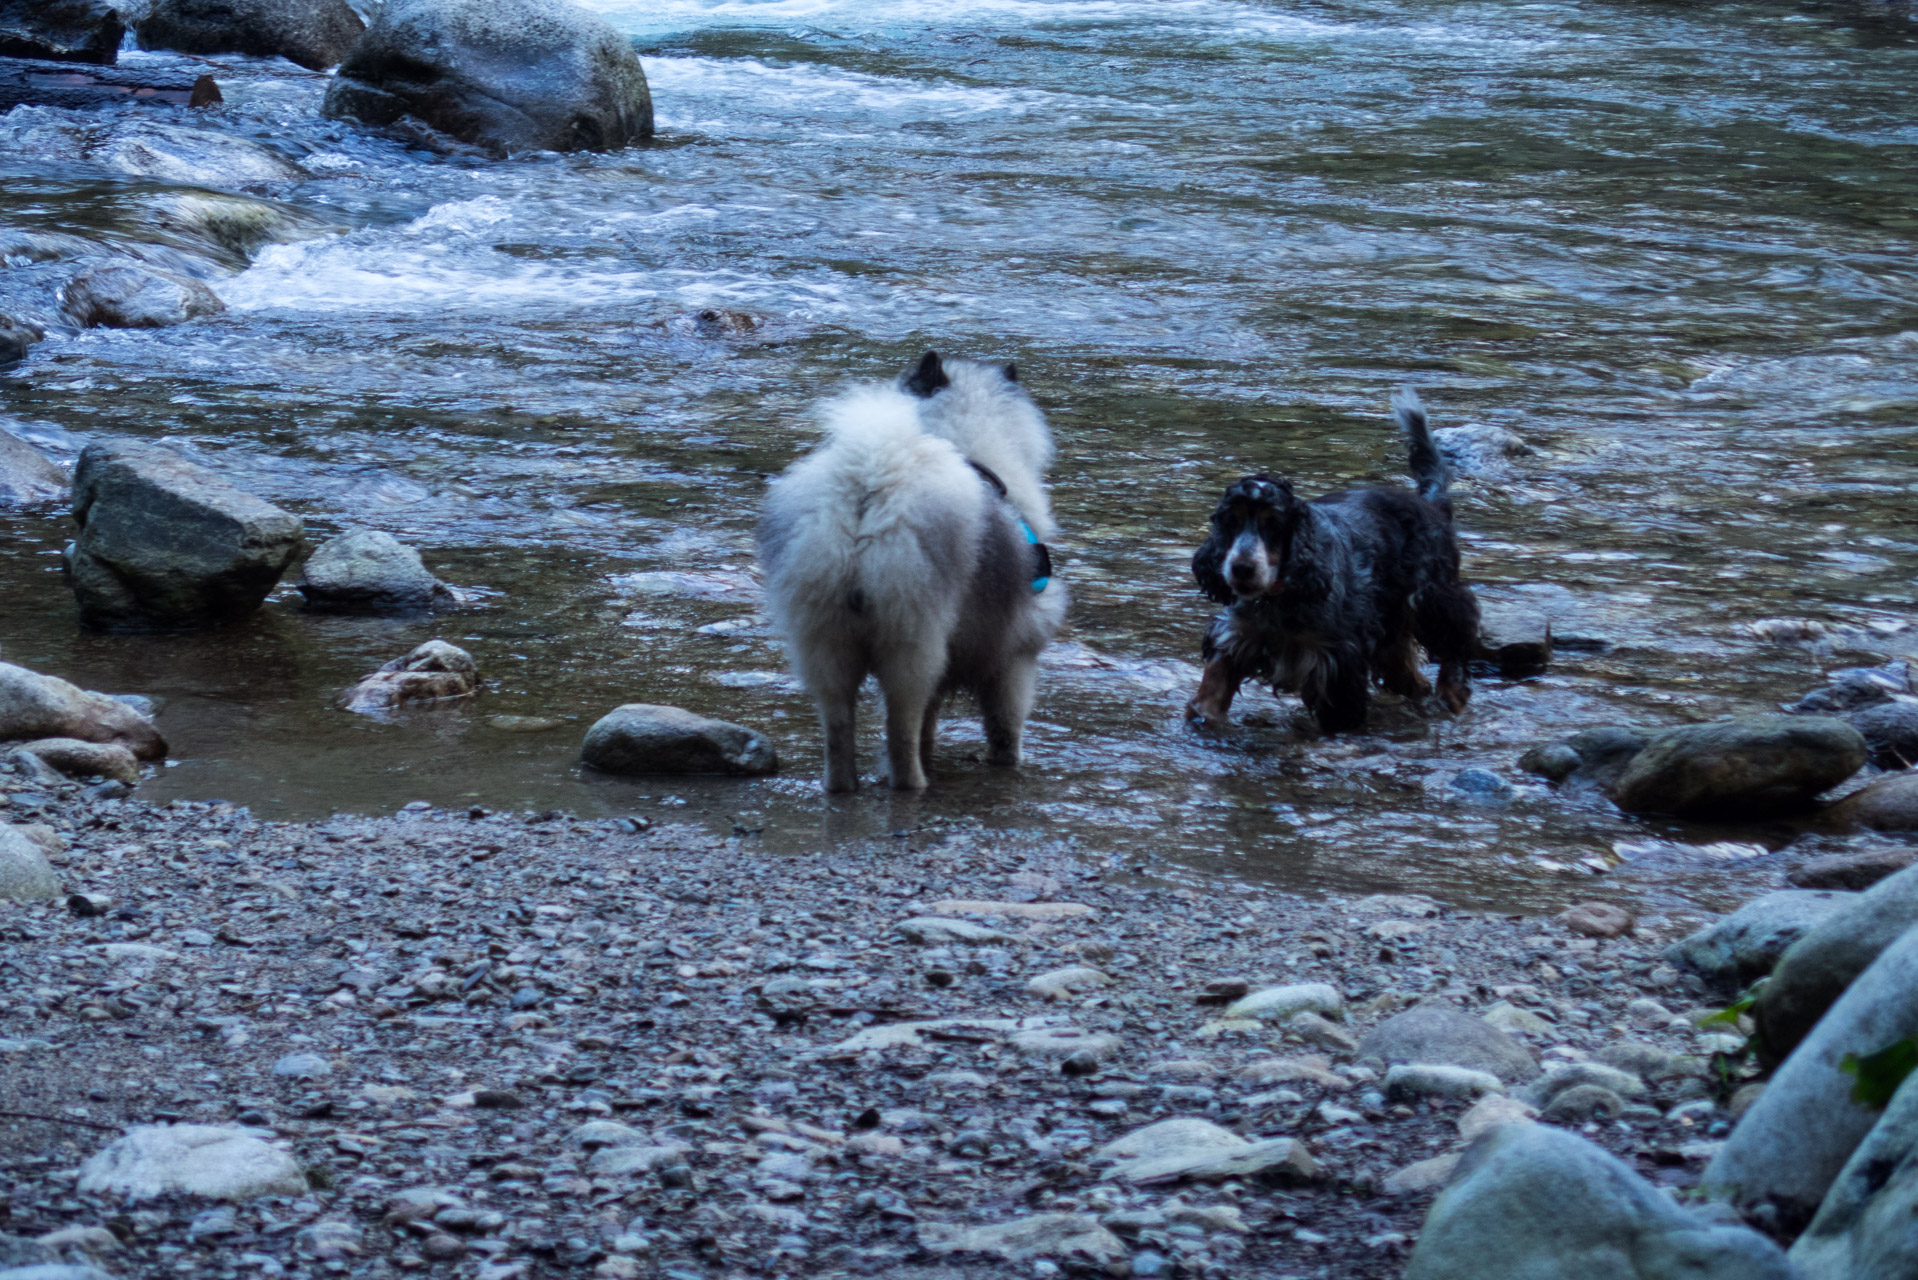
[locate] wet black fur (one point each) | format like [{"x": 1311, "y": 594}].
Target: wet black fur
[{"x": 1360, "y": 575}]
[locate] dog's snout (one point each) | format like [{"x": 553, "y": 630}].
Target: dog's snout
[{"x": 1243, "y": 572}]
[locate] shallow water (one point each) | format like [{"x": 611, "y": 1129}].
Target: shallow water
[{"x": 1670, "y": 247}]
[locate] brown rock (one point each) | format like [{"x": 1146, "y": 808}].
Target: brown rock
[
  {"x": 1596, "y": 919},
  {"x": 1888, "y": 804},
  {"x": 79, "y": 759},
  {"x": 434, "y": 672}
]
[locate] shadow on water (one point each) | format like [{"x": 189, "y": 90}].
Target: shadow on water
[{"x": 1668, "y": 247}]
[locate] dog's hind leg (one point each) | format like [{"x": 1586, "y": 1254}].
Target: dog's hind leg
[
  {"x": 929, "y": 734},
  {"x": 1004, "y": 704},
  {"x": 838, "y": 699},
  {"x": 910, "y": 680},
  {"x": 1449, "y": 628}
]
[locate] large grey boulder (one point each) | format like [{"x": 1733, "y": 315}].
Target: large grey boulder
[
  {"x": 25, "y": 874},
  {"x": 129, "y": 297},
  {"x": 1757, "y": 766},
  {"x": 645, "y": 738},
  {"x": 1747, "y": 943},
  {"x": 314, "y": 33},
  {"x": 506, "y": 75},
  {"x": 33, "y": 707},
  {"x": 369, "y": 571},
  {"x": 1889, "y": 803},
  {"x": 1789, "y": 1147},
  {"x": 1816, "y": 969},
  {"x": 221, "y": 1162},
  {"x": 62, "y": 30},
  {"x": 1440, "y": 1035},
  {"x": 1867, "y": 1227},
  {"x": 27, "y": 476},
  {"x": 1531, "y": 1202},
  {"x": 164, "y": 542}
]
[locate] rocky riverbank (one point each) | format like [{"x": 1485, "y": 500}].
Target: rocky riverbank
[{"x": 500, "y": 1045}]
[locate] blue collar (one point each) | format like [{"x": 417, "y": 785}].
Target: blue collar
[{"x": 1041, "y": 555}]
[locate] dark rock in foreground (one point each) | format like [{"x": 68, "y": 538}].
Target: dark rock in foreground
[
  {"x": 1890, "y": 803},
  {"x": 643, "y": 738},
  {"x": 316, "y": 34},
  {"x": 1757, "y": 766},
  {"x": 369, "y": 571},
  {"x": 506, "y": 75},
  {"x": 167, "y": 543},
  {"x": 61, "y": 30},
  {"x": 15, "y": 338},
  {"x": 1852, "y": 870},
  {"x": 1816, "y": 970}
]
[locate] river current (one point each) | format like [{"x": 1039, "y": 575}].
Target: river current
[{"x": 1669, "y": 247}]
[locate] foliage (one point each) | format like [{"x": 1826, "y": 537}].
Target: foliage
[{"x": 1879, "y": 1074}]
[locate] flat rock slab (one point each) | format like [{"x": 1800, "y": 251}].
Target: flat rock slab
[
  {"x": 1073, "y": 1238},
  {"x": 1190, "y": 1148},
  {"x": 932, "y": 931},
  {"x": 1276, "y": 1004},
  {"x": 903, "y": 1035},
  {"x": 1439, "y": 1034},
  {"x": 217, "y": 1161},
  {"x": 1014, "y": 910}
]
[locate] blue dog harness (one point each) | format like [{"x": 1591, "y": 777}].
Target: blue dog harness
[{"x": 1041, "y": 554}]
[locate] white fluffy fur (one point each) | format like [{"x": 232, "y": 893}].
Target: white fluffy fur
[{"x": 886, "y": 554}]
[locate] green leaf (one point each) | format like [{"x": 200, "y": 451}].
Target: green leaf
[
  {"x": 1731, "y": 1013},
  {"x": 1879, "y": 1074}
]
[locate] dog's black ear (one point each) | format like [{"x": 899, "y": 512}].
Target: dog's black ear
[
  {"x": 927, "y": 376},
  {"x": 1208, "y": 567},
  {"x": 1012, "y": 372}
]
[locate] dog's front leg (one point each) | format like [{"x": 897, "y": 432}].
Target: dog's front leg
[{"x": 1213, "y": 702}]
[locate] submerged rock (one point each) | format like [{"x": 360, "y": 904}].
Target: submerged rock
[
  {"x": 434, "y": 672},
  {"x": 34, "y": 706},
  {"x": 15, "y": 338},
  {"x": 1753, "y": 767},
  {"x": 1596, "y": 756},
  {"x": 186, "y": 154},
  {"x": 1789, "y": 1148},
  {"x": 1889, "y": 803},
  {"x": 506, "y": 75},
  {"x": 1535, "y": 1201},
  {"x": 1748, "y": 942},
  {"x": 127, "y": 297},
  {"x": 316, "y": 34},
  {"x": 217, "y": 1161},
  {"x": 368, "y": 571},
  {"x": 25, "y": 874},
  {"x": 1891, "y": 732},
  {"x": 27, "y": 476},
  {"x": 1855, "y": 688},
  {"x": 1854, "y": 871},
  {"x": 165, "y": 542},
  {"x": 77, "y": 759},
  {"x": 646, "y": 738},
  {"x": 1816, "y": 969},
  {"x": 61, "y": 30}
]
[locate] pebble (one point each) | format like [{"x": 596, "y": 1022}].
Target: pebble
[{"x": 1597, "y": 919}]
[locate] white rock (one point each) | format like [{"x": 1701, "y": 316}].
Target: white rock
[
  {"x": 1071, "y": 1237},
  {"x": 1187, "y": 1147},
  {"x": 1430, "y": 1080},
  {"x": 25, "y": 873},
  {"x": 1054, "y": 1044},
  {"x": 614, "y": 1162},
  {"x": 218, "y": 1161},
  {"x": 1062, "y": 984},
  {"x": 931, "y": 931},
  {"x": 1277, "y": 1004}
]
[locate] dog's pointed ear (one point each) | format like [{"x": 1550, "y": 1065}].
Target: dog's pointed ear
[
  {"x": 1208, "y": 567},
  {"x": 1012, "y": 372},
  {"x": 927, "y": 376}
]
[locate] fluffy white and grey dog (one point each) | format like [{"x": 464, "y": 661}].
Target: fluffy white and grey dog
[{"x": 910, "y": 546}]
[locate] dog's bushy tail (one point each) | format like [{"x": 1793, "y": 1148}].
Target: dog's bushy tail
[{"x": 1429, "y": 469}]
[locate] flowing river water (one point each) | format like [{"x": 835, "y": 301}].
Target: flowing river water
[{"x": 1671, "y": 247}]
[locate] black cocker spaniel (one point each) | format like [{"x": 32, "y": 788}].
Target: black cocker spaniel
[{"x": 1325, "y": 596}]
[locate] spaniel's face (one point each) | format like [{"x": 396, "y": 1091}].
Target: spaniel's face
[{"x": 1253, "y": 523}]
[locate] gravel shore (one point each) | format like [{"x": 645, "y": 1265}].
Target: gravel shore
[{"x": 526, "y": 1045}]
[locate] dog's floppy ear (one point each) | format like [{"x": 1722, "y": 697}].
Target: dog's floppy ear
[
  {"x": 1012, "y": 372},
  {"x": 1208, "y": 563},
  {"x": 928, "y": 376}
]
